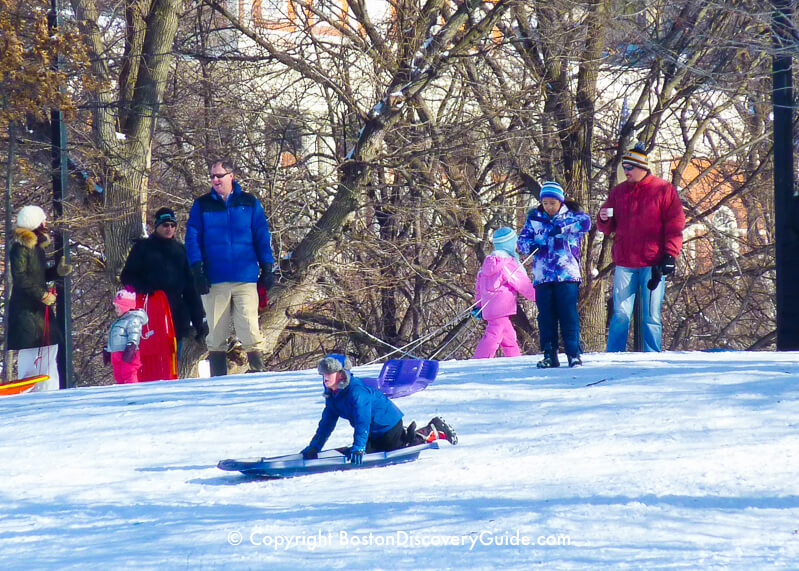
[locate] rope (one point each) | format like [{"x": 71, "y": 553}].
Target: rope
[
  {"x": 362, "y": 330},
  {"x": 407, "y": 347}
]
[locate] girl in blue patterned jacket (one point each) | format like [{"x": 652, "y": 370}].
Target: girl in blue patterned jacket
[{"x": 556, "y": 228}]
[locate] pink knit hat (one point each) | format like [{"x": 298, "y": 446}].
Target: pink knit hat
[{"x": 125, "y": 300}]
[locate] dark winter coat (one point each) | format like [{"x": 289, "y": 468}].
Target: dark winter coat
[
  {"x": 230, "y": 237},
  {"x": 160, "y": 263},
  {"x": 368, "y": 410},
  {"x": 26, "y": 312}
]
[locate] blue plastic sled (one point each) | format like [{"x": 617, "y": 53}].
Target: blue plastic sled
[
  {"x": 402, "y": 377},
  {"x": 328, "y": 461}
]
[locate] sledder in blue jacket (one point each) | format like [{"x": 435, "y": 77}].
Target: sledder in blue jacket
[{"x": 376, "y": 421}]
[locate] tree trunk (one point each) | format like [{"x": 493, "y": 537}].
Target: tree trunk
[{"x": 127, "y": 161}]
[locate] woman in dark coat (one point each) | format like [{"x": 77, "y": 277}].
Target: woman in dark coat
[
  {"x": 159, "y": 262},
  {"x": 31, "y": 299}
]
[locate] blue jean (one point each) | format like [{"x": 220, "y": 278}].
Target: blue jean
[
  {"x": 557, "y": 304},
  {"x": 627, "y": 283}
]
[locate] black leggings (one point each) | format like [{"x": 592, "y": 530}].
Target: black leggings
[{"x": 391, "y": 440}]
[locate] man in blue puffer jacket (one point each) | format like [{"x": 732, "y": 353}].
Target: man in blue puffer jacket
[
  {"x": 229, "y": 249},
  {"x": 376, "y": 421}
]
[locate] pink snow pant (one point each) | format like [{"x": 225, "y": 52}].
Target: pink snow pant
[
  {"x": 125, "y": 373},
  {"x": 499, "y": 333}
]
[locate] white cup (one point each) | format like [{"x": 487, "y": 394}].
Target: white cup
[{"x": 609, "y": 212}]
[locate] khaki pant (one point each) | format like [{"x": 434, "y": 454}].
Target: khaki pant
[{"x": 236, "y": 304}]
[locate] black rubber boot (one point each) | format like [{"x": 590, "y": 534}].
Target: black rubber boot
[
  {"x": 256, "y": 362},
  {"x": 549, "y": 361},
  {"x": 575, "y": 361},
  {"x": 218, "y": 361},
  {"x": 410, "y": 435}
]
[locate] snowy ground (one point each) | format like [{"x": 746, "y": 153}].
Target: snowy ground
[{"x": 686, "y": 460}]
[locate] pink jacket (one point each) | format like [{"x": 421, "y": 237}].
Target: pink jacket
[
  {"x": 648, "y": 221},
  {"x": 498, "y": 282}
]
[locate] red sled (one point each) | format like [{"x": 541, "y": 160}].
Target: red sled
[{"x": 158, "y": 346}]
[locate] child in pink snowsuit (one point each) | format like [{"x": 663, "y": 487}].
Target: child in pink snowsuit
[
  {"x": 499, "y": 280},
  {"x": 124, "y": 337}
]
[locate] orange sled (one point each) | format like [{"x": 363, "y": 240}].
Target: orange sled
[{"x": 22, "y": 385}]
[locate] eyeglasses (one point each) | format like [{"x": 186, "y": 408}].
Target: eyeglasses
[
  {"x": 627, "y": 168},
  {"x": 222, "y": 175},
  {"x": 169, "y": 224}
]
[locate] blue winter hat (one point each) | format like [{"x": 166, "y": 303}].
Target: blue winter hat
[
  {"x": 505, "y": 239},
  {"x": 552, "y": 189}
]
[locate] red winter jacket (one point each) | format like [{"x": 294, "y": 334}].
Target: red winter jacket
[{"x": 648, "y": 220}]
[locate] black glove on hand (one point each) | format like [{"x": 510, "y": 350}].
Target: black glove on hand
[
  {"x": 668, "y": 265},
  {"x": 106, "y": 357},
  {"x": 202, "y": 331},
  {"x": 200, "y": 279},
  {"x": 655, "y": 279},
  {"x": 267, "y": 278},
  {"x": 129, "y": 353}
]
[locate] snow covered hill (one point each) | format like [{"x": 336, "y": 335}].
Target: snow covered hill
[{"x": 632, "y": 461}]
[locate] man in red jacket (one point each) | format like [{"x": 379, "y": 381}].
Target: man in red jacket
[{"x": 647, "y": 217}]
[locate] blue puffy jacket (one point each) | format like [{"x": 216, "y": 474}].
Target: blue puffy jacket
[
  {"x": 231, "y": 238},
  {"x": 558, "y": 257},
  {"x": 368, "y": 410}
]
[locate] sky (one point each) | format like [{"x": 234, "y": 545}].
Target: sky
[{"x": 633, "y": 461}]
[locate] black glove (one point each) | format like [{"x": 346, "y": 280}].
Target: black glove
[
  {"x": 129, "y": 353},
  {"x": 200, "y": 279},
  {"x": 667, "y": 265},
  {"x": 106, "y": 357},
  {"x": 309, "y": 453},
  {"x": 202, "y": 330},
  {"x": 554, "y": 231},
  {"x": 655, "y": 279},
  {"x": 267, "y": 278}
]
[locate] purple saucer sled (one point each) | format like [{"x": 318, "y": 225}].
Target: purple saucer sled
[{"x": 403, "y": 377}]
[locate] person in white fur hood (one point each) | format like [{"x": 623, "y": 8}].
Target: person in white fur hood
[{"x": 31, "y": 299}]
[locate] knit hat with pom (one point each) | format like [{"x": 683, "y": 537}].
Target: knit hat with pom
[
  {"x": 125, "y": 300},
  {"x": 636, "y": 157}
]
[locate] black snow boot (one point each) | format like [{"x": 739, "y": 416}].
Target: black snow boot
[
  {"x": 409, "y": 439},
  {"x": 438, "y": 429},
  {"x": 256, "y": 362},
  {"x": 575, "y": 361},
  {"x": 549, "y": 361},
  {"x": 218, "y": 362}
]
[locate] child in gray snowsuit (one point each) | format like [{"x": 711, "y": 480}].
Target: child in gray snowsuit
[{"x": 124, "y": 337}]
